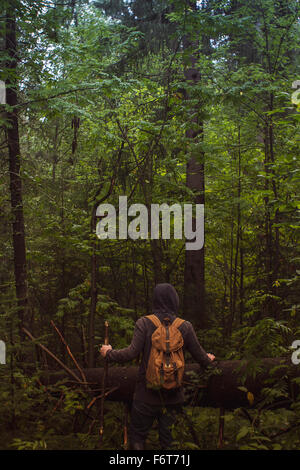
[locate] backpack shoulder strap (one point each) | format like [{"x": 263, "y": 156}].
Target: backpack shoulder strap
[
  {"x": 154, "y": 320},
  {"x": 177, "y": 322}
]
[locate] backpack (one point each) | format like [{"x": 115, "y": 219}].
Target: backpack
[{"x": 166, "y": 361}]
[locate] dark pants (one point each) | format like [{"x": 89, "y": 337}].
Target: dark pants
[{"x": 141, "y": 420}]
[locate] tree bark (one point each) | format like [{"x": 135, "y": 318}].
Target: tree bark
[
  {"x": 220, "y": 389},
  {"x": 12, "y": 131},
  {"x": 235, "y": 250},
  {"x": 194, "y": 282},
  {"x": 94, "y": 291}
]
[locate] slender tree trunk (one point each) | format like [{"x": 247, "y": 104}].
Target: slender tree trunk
[
  {"x": 146, "y": 287},
  {"x": 230, "y": 320},
  {"x": 18, "y": 230},
  {"x": 12, "y": 378},
  {"x": 268, "y": 225},
  {"x": 63, "y": 269},
  {"x": 241, "y": 294},
  {"x": 94, "y": 292},
  {"x": 223, "y": 306},
  {"x": 276, "y": 242},
  {"x": 134, "y": 281},
  {"x": 55, "y": 156},
  {"x": 194, "y": 281},
  {"x": 155, "y": 245},
  {"x": 238, "y": 233}
]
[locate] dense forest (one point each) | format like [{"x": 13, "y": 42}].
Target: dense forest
[{"x": 164, "y": 102}]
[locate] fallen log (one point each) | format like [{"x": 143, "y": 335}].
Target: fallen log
[{"x": 219, "y": 387}]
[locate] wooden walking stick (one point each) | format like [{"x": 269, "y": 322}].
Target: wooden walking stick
[
  {"x": 104, "y": 379},
  {"x": 126, "y": 411},
  {"x": 221, "y": 428}
]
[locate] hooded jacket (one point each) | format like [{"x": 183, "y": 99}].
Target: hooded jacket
[{"x": 165, "y": 305}]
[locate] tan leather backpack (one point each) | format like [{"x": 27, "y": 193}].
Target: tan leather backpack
[{"x": 166, "y": 361}]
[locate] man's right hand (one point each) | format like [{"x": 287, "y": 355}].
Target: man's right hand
[
  {"x": 104, "y": 349},
  {"x": 211, "y": 356}
]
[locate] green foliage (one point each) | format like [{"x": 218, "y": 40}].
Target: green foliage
[{"x": 104, "y": 110}]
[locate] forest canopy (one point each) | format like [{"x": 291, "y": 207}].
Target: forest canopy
[{"x": 173, "y": 102}]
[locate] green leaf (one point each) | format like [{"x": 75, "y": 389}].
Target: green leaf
[{"x": 242, "y": 433}]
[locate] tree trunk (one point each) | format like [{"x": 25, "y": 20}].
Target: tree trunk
[
  {"x": 219, "y": 390},
  {"x": 274, "y": 184},
  {"x": 235, "y": 251},
  {"x": 194, "y": 282},
  {"x": 268, "y": 227},
  {"x": 12, "y": 130},
  {"x": 94, "y": 291},
  {"x": 241, "y": 305}
]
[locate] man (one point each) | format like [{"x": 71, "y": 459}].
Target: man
[{"x": 149, "y": 404}]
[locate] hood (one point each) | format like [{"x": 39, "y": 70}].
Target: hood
[{"x": 165, "y": 301}]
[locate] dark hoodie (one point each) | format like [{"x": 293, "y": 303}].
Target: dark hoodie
[
  {"x": 165, "y": 304},
  {"x": 165, "y": 301}
]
